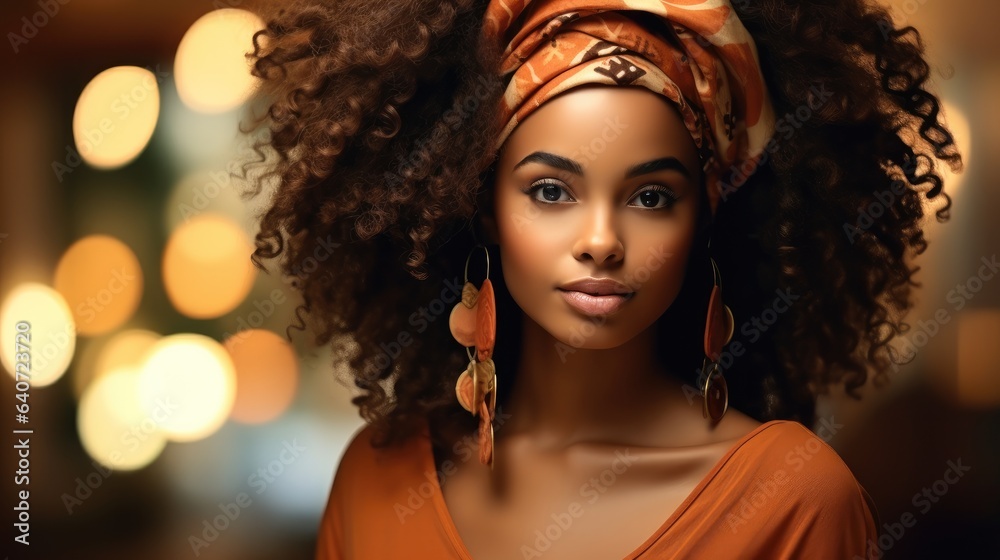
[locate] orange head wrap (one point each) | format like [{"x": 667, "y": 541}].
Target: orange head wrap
[{"x": 707, "y": 66}]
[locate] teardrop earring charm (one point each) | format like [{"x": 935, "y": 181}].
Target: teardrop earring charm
[{"x": 719, "y": 326}]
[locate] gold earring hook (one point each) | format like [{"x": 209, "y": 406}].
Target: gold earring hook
[
  {"x": 715, "y": 273},
  {"x": 468, "y": 350},
  {"x": 469, "y": 256}
]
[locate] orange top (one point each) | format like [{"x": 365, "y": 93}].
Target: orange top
[{"x": 780, "y": 492}]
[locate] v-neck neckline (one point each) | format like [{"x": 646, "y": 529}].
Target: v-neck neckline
[{"x": 455, "y": 539}]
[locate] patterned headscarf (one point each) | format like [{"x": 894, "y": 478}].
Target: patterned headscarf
[{"x": 707, "y": 65}]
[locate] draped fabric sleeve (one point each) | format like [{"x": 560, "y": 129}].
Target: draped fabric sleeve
[
  {"x": 330, "y": 540},
  {"x": 837, "y": 525},
  {"x": 825, "y": 512},
  {"x": 385, "y": 503},
  {"x": 330, "y": 533}
]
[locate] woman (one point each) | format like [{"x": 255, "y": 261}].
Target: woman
[{"x": 593, "y": 261}]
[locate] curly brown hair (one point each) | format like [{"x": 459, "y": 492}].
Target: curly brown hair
[{"x": 382, "y": 116}]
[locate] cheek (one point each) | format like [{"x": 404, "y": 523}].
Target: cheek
[
  {"x": 522, "y": 242},
  {"x": 660, "y": 258}
]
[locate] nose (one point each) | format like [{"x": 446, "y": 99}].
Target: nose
[{"x": 599, "y": 239}]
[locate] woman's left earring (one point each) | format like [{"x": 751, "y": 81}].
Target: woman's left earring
[
  {"x": 473, "y": 323},
  {"x": 719, "y": 326}
]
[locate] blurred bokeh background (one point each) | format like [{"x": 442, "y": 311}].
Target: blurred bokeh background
[{"x": 166, "y": 404}]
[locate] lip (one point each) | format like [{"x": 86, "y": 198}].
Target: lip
[
  {"x": 596, "y": 296},
  {"x": 597, "y": 287}
]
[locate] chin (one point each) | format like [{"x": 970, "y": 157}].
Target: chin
[{"x": 590, "y": 333}]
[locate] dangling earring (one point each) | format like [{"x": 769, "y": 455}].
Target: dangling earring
[
  {"x": 718, "y": 332},
  {"x": 473, "y": 322}
]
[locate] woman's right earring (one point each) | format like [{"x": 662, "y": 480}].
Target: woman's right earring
[
  {"x": 473, "y": 323},
  {"x": 719, "y": 326}
]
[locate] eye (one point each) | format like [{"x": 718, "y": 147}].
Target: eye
[
  {"x": 551, "y": 193},
  {"x": 656, "y": 197}
]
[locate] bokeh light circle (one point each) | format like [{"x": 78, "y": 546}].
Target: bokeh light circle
[
  {"x": 207, "y": 270},
  {"x": 125, "y": 349},
  {"x": 210, "y": 69},
  {"x": 43, "y": 315},
  {"x": 267, "y": 371},
  {"x": 194, "y": 377},
  {"x": 115, "y": 116},
  {"x": 114, "y": 428},
  {"x": 102, "y": 282}
]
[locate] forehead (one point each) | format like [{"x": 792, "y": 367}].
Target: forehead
[{"x": 602, "y": 126}]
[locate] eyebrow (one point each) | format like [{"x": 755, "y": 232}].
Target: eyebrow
[{"x": 566, "y": 164}]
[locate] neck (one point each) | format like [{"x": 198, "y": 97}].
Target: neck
[{"x": 565, "y": 395}]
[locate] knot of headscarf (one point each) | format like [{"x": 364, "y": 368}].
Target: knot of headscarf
[{"x": 696, "y": 53}]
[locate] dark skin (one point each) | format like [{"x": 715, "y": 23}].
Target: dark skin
[{"x": 590, "y": 394}]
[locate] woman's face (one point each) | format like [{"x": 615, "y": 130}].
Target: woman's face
[{"x": 599, "y": 182}]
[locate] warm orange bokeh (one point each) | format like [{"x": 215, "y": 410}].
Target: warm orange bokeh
[
  {"x": 267, "y": 373},
  {"x": 978, "y": 356},
  {"x": 206, "y": 266},
  {"x": 102, "y": 282}
]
